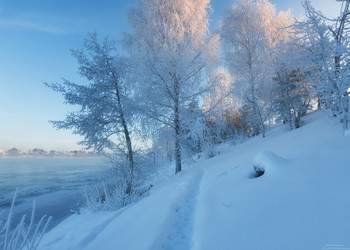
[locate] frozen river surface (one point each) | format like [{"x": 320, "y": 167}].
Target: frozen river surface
[{"x": 55, "y": 183}]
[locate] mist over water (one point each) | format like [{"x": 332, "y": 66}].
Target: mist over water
[{"x": 55, "y": 183}]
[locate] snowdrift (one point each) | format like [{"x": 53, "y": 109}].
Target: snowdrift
[
  {"x": 301, "y": 202},
  {"x": 267, "y": 161}
]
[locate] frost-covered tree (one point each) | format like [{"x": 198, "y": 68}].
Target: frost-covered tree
[
  {"x": 324, "y": 52},
  {"x": 221, "y": 108},
  {"x": 292, "y": 91},
  {"x": 220, "y": 99},
  {"x": 106, "y": 107},
  {"x": 14, "y": 152},
  {"x": 171, "y": 45},
  {"x": 291, "y": 96},
  {"x": 250, "y": 30}
]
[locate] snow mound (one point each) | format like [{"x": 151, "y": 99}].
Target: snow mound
[{"x": 266, "y": 161}]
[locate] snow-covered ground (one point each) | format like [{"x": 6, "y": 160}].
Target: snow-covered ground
[{"x": 301, "y": 202}]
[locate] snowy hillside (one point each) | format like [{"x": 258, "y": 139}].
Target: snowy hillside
[{"x": 301, "y": 202}]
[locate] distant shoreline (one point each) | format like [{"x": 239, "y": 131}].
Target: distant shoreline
[{"x": 41, "y": 153}]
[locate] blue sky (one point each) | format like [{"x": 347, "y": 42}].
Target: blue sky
[{"x": 35, "y": 40}]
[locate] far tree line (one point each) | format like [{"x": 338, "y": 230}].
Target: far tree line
[{"x": 39, "y": 152}]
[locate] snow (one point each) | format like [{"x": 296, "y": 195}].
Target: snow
[{"x": 301, "y": 202}]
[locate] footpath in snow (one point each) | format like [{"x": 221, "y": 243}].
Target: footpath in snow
[
  {"x": 164, "y": 220},
  {"x": 301, "y": 202}
]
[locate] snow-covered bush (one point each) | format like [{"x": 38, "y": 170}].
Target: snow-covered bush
[
  {"x": 109, "y": 192},
  {"x": 258, "y": 170},
  {"x": 111, "y": 195},
  {"x": 22, "y": 236}
]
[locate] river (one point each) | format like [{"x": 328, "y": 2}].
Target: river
[{"x": 55, "y": 183}]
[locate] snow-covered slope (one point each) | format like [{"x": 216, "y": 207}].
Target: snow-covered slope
[{"x": 301, "y": 202}]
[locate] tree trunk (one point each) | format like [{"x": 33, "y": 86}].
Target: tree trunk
[
  {"x": 177, "y": 150},
  {"x": 290, "y": 119},
  {"x": 130, "y": 174},
  {"x": 255, "y": 123},
  {"x": 130, "y": 171},
  {"x": 263, "y": 130},
  {"x": 177, "y": 129}
]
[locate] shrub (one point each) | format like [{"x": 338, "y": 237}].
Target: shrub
[{"x": 20, "y": 236}]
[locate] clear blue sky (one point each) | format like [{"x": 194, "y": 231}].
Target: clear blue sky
[{"x": 35, "y": 40}]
